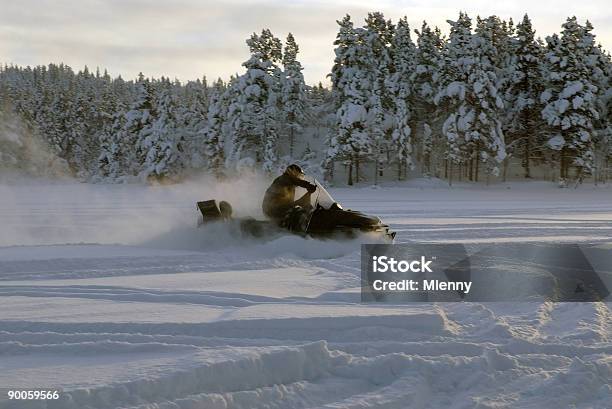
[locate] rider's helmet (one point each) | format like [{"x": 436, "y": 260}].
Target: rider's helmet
[{"x": 294, "y": 170}]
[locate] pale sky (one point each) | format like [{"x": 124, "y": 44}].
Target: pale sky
[{"x": 190, "y": 38}]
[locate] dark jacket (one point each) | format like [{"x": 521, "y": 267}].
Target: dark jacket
[{"x": 280, "y": 196}]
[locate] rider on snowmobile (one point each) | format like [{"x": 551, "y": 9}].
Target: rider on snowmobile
[{"x": 280, "y": 196}]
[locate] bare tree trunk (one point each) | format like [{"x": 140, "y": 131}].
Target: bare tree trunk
[
  {"x": 450, "y": 173},
  {"x": 350, "y": 173},
  {"x": 399, "y": 169},
  {"x": 506, "y": 164},
  {"x": 526, "y": 159},
  {"x": 579, "y": 177},
  {"x": 477, "y": 165},
  {"x": 471, "y": 167},
  {"x": 375, "y": 170},
  {"x": 357, "y": 169},
  {"x": 564, "y": 164}
]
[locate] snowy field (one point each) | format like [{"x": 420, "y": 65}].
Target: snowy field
[{"x": 110, "y": 293}]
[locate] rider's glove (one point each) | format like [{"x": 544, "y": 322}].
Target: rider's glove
[{"x": 312, "y": 188}]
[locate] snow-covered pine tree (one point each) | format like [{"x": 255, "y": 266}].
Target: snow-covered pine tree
[
  {"x": 191, "y": 121},
  {"x": 112, "y": 140},
  {"x": 457, "y": 56},
  {"x": 570, "y": 98},
  {"x": 102, "y": 108},
  {"x": 351, "y": 89},
  {"x": 254, "y": 113},
  {"x": 163, "y": 145},
  {"x": 95, "y": 88},
  {"x": 600, "y": 64},
  {"x": 605, "y": 122},
  {"x": 485, "y": 81},
  {"x": 524, "y": 137},
  {"x": 377, "y": 37},
  {"x": 293, "y": 93},
  {"x": 213, "y": 133},
  {"x": 80, "y": 123},
  {"x": 468, "y": 80},
  {"x": 336, "y": 149},
  {"x": 499, "y": 34},
  {"x": 425, "y": 82},
  {"x": 400, "y": 84},
  {"x": 54, "y": 120},
  {"x": 377, "y": 41},
  {"x": 274, "y": 110},
  {"x": 138, "y": 127}
]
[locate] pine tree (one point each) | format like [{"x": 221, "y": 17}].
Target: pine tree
[
  {"x": 138, "y": 127},
  {"x": 351, "y": 88},
  {"x": 456, "y": 55},
  {"x": 163, "y": 145},
  {"x": 293, "y": 93},
  {"x": 473, "y": 127},
  {"x": 78, "y": 123},
  {"x": 425, "y": 82},
  {"x": 524, "y": 136},
  {"x": 485, "y": 82},
  {"x": 255, "y": 113},
  {"x": 377, "y": 37},
  {"x": 600, "y": 65},
  {"x": 570, "y": 97},
  {"x": 344, "y": 48},
  {"x": 111, "y": 139},
  {"x": 213, "y": 133},
  {"x": 191, "y": 121},
  {"x": 498, "y": 34},
  {"x": 400, "y": 83}
]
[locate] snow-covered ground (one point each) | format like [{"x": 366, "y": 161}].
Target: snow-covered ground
[{"x": 110, "y": 293}]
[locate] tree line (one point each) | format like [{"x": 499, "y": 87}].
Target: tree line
[
  {"x": 458, "y": 106},
  {"x": 471, "y": 101}
]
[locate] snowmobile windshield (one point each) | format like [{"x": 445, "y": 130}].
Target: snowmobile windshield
[{"x": 320, "y": 196}]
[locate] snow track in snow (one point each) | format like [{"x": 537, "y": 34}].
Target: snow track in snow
[{"x": 154, "y": 323}]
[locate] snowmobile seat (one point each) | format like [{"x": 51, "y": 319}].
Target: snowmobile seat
[{"x": 210, "y": 211}]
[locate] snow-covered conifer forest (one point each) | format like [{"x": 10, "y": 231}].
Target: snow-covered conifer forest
[{"x": 489, "y": 101}]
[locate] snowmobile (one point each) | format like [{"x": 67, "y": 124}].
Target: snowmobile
[{"x": 316, "y": 215}]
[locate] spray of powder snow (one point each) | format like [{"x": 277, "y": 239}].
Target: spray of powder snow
[
  {"x": 224, "y": 237},
  {"x": 23, "y": 153},
  {"x": 165, "y": 217},
  {"x": 41, "y": 212}
]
